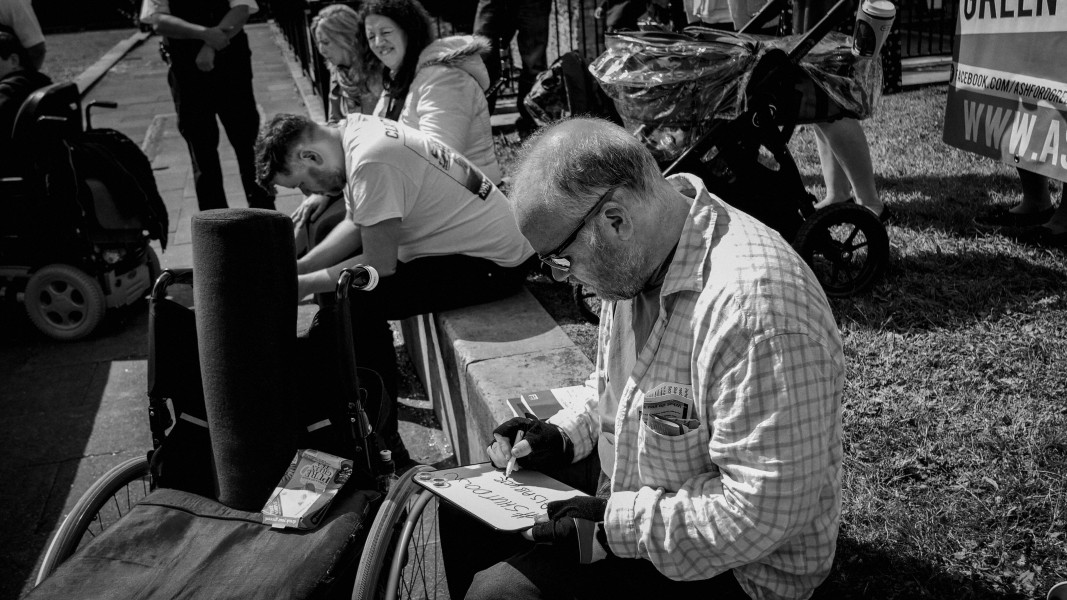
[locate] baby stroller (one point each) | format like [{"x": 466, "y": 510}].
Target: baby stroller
[
  {"x": 153, "y": 528},
  {"x": 81, "y": 207},
  {"x": 723, "y": 106}
]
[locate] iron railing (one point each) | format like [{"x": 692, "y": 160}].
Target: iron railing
[{"x": 922, "y": 28}]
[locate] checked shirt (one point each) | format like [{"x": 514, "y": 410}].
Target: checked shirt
[{"x": 744, "y": 331}]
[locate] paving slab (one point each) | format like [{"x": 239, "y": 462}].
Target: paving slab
[{"x": 71, "y": 411}]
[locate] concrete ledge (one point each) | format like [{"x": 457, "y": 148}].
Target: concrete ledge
[
  {"x": 88, "y": 78},
  {"x": 472, "y": 359}
]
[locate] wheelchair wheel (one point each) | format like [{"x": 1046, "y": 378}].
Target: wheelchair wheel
[
  {"x": 107, "y": 500},
  {"x": 64, "y": 302},
  {"x": 846, "y": 246},
  {"x": 402, "y": 557},
  {"x": 587, "y": 303}
]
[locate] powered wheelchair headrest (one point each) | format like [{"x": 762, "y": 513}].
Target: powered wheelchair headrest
[{"x": 55, "y": 109}]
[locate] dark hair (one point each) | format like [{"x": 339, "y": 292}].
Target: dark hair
[
  {"x": 9, "y": 44},
  {"x": 274, "y": 145},
  {"x": 413, "y": 19}
]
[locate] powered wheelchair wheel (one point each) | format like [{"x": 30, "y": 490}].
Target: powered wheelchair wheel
[
  {"x": 402, "y": 557},
  {"x": 846, "y": 246},
  {"x": 104, "y": 503},
  {"x": 64, "y": 302}
]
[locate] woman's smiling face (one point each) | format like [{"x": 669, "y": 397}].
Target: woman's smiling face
[{"x": 386, "y": 40}]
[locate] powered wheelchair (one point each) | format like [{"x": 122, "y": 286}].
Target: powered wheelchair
[{"x": 80, "y": 208}]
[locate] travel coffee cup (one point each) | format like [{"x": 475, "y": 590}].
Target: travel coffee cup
[{"x": 873, "y": 21}]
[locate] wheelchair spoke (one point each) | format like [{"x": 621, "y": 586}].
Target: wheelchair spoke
[{"x": 419, "y": 579}]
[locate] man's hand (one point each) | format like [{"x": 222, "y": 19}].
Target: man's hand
[
  {"x": 543, "y": 445},
  {"x": 215, "y": 37},
  {"x": 310, "y": 209},
  {"x": 205, "y": 59},
  {"x": 571, "y": 525}
]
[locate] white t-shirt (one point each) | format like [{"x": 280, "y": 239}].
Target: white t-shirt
[
  {"x": 19, "y": 16},
  {"x": 151, "y": 8},
  {"x": 446, "y": 205}
]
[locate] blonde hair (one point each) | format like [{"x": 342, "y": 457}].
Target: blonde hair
[{"x": 341, "y": 26}]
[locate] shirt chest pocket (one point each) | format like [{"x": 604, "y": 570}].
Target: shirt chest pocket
[{"x": 668, "y": 461}]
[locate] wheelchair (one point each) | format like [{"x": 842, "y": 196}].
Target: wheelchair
[
  {"x": 80, "y": 208},
  {"x": 399, "y": 558}
]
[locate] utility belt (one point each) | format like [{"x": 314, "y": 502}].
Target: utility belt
[{"x": 183, "y": 52}]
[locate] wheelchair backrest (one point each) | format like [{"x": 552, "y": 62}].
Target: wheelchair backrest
[{"x": 52, "y": 111}]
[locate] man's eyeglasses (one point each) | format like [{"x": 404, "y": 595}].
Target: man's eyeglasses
[{"x": 563, "y": 263}]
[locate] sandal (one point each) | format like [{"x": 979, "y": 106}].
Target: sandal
[{"x": 887, "y": 217}]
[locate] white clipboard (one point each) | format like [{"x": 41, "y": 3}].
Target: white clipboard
[{"x": 505, "y": 504}]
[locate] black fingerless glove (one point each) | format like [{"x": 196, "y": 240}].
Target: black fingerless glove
[
  {"x": 549, "y": 447},
  {"x": 572, "y": 526}
]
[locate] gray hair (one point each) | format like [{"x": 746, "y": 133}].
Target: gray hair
[{"x": 564, "y": 167}]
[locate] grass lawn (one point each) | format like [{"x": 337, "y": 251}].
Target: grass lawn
[{"x": 955, "y": 416}]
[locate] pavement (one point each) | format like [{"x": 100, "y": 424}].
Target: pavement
[{"x": 69, "y": 411}]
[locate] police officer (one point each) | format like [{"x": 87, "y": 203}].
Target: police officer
[{"x": 211, "y": 75}]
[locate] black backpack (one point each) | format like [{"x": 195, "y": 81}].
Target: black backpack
[{"x": 568, "y": 89}]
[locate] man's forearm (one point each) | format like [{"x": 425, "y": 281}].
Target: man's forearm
[
  {"x": 340, "y": 243},
  {"x": 325, "y": 280},
  {"x": 180, "y": 29},
  {"x": 234, "y": 20}
]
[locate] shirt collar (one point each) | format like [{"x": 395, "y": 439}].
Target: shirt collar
[{"x": 698, "y": 236}]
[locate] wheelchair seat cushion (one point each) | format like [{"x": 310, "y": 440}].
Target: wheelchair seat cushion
[{"x": 178, "y": 545}]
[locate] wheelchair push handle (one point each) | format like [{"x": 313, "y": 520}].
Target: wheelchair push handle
[
  {"x": 359, "y": 277},
  {"x": 365, "y": 278}
]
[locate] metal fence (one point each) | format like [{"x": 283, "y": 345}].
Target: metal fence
[
  {"x": 926, "y": 27},
  {"x": 923, "y": 28}
]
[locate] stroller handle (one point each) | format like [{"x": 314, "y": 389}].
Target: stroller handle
[{"x": 828, "y": 23}]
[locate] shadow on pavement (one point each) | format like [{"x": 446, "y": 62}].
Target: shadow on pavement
[{"x": 70, "y": 411}]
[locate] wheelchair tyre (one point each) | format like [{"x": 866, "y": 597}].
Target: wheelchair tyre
[
  {"x": 846, "y": 246},
  {"x": 587, "y": 303},
  {"x": 402, "y": 558},
  {"x": 107, "y": 500},
  {"x": 64, "y": 302}
]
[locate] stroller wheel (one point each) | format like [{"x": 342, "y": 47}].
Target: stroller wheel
[
  {"x": 587, "y": 303},
  {"x": 846, "y": 246},
  {"x": 64, "y": 302}
]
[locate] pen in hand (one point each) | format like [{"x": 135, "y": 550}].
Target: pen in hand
[{"x": 511, "y": 461}]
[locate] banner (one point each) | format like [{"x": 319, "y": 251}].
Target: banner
[{"x": 1007, "y": 98}]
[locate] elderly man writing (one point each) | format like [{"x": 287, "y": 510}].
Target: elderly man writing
[{"x": 714, "y": 446}]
